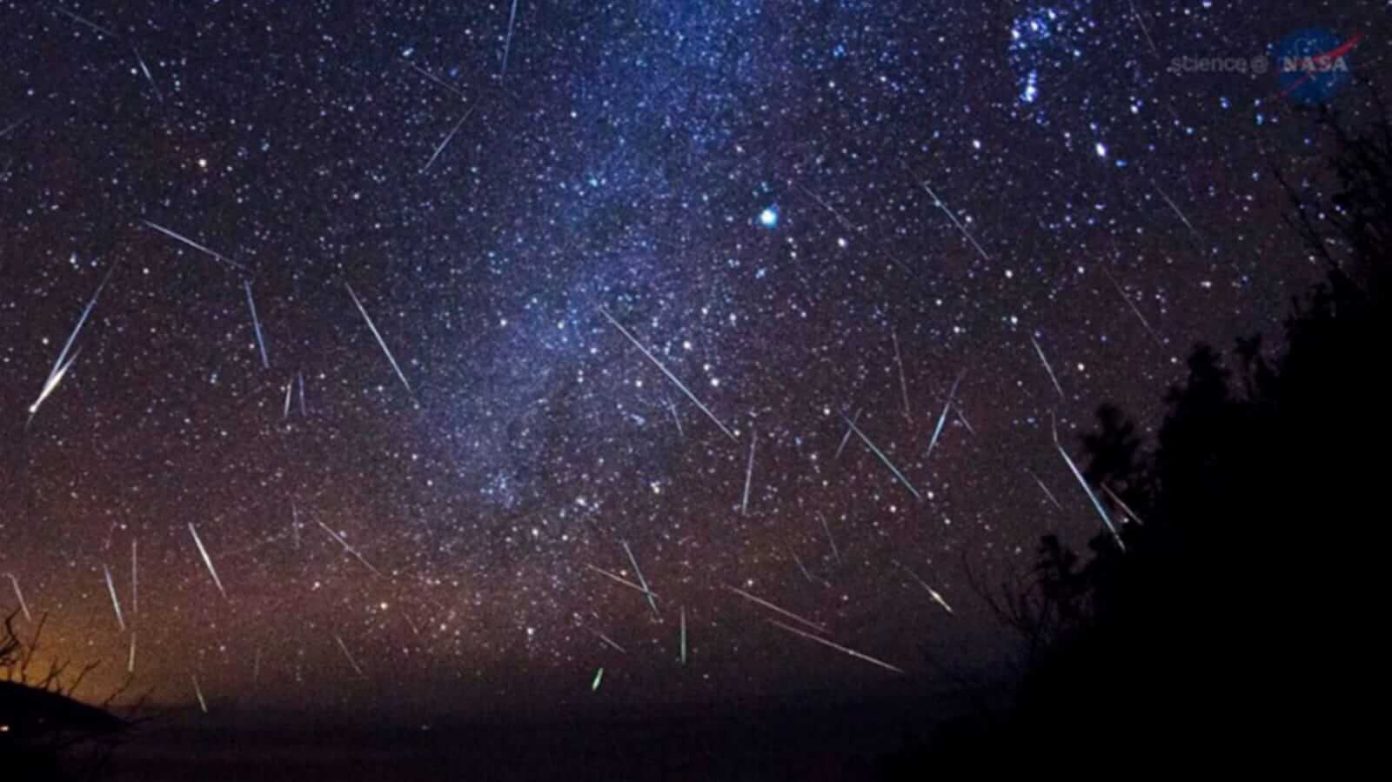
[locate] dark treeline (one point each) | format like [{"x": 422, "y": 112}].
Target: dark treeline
[{"x": 1233, "y": 620}]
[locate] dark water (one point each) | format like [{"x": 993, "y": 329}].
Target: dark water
[{"x": 786, "y": 741}]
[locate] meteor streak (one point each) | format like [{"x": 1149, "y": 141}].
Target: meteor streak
[
  {"x": 749, "y": 472},
  {"x": 1047, "y": 368},
  {"x": 349, "y": 655},
  {"x": 881, "y": 454},
  {"x": 256, "y": 325},
  {"x": 838, "y": 647},
  {"x": 383, "y": 343},
  {"x": 766, "y": 604},
  {"x": 679, "y": 384},
  {"x": 648, "y": 592},
  {"x": 115, "y": 601},
  {"x": 195, "y": 245},
  {"x": 1096, "y": 503},
  {"x": 19, "y": 596},
  {"x": 207, "y": 560}
]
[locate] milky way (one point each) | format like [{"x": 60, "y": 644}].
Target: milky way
[{"x": 462, "y": 352}]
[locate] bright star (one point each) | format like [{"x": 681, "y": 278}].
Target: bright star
[{"x": 769, "y": 217}]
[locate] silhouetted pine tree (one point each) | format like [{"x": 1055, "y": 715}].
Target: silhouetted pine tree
[{"x": 1239, "y": 621}]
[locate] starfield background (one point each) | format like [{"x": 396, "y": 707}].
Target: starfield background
[{"x": 678, "y": 390}]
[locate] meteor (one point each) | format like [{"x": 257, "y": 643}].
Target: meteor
[
  {"x": 938, "y": 202},
  {"x": 383, "y": 343},
  {"x": 115, "y": 601},
  {"x": 1047, "y": 368},
  {"x": 85, "y": 22},
  {"x": 903, "y": 384},
  {"x": 51, "y": 384},
  {"x": 933, "y": 593},
  {"x": 146, "y": 70},
  {"x": 875, "y": 449},
  {"x": 942, "y": 419},
  {"x": 448, "y": 138},
  {"x": 642, "y": 581},
  {"x": 65, "y": 361},
  {"x": 621, "y": 580},
  {"x": 256, "y": 324},
  {"x": 838, "y": 647},
  {"x": 609, "y": 641},
  {"x": 349, "y": 655},
  {"x": 846, "y": 438},
  {"x": 202, "y": 703},
  {"x": 191, "y": 243},
  {"x": 507, "y": 49},
  {"x": 207, "y": 560},
  {"x": 135, "y": 581},
  {"x": 679, "y": 384},
  {"x": 759, "y": 601},
  {"x": 1097, "y": 504},
  {"x": 749, "y": 472},
  {"x": 344, "y": 544},
  {"x": 19, "y": 596},
  {"x": 1046, "y": 491}
]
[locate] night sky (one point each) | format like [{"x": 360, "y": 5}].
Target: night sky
[{"x": 429, "y": 322}]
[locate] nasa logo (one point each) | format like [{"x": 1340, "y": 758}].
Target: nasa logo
[{"x": 1314, "y": 64}]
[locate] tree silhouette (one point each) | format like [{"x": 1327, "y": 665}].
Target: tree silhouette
[
  {"x": 1236, "y": 622},
  {"x": 45, "y": 734}
]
